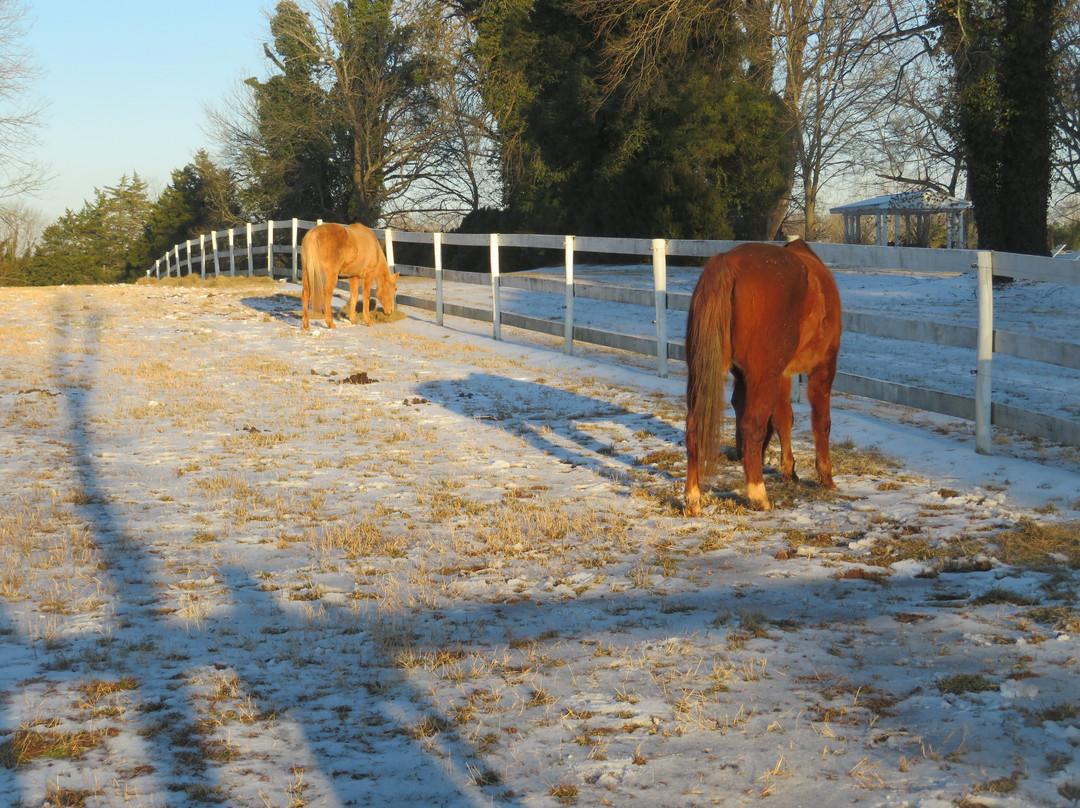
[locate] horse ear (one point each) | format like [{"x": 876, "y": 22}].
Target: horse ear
[{"x": 397, "y": 275}]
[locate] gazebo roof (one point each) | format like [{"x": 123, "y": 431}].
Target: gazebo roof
[{"x": 925, "y": 201}]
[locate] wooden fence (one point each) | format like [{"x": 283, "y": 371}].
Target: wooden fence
[{"x": 273, "y": 249}]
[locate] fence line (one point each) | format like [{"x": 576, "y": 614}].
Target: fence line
[{"x": 282, "y": 260}]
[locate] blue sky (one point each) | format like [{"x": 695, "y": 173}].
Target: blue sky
[{"x": 125, "y": 84}]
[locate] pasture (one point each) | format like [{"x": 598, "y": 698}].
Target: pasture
[{"x": 250, "y": 565}]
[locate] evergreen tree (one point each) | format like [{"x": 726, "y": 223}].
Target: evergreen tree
[
  {"x": 1003, "y": 89},
  {"x": 97, "y": 243},
  {"x": 703, "y": 155},
  {"x": 296, "y": 153},
  {"x": 201, "y": 198}
]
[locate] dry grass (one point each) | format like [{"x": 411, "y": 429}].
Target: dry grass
[
  {"x": 238, "y": 282},
  {"x": 27, "y": 745},
  {"x": 1034, "y": 544},
  {"x": 354, "y": 540},
  {"x": 520, "y": 540}
]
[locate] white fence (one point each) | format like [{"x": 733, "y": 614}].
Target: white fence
[{"x": 273, "y": 249}]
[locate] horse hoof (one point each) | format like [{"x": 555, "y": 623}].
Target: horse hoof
[{"x": 755, "y": 492}]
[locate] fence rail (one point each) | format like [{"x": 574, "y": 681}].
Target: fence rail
[{"x": 273, "y": 249}]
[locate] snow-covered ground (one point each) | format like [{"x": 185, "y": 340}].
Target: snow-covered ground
[{"x": 407, "y": 565}]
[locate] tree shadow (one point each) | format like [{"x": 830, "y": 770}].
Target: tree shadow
[
  {"x": 170, "y": 748},
  {"x": 241, "y": 641}
]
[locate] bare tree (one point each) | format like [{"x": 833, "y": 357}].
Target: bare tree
[
  {"x": 463, "y": 175},
  {"x": 20, "y": 229},
  {"x": 1067, "y": 145},
  {"x": 19, "y": 116}
]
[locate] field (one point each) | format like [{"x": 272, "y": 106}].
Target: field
[{"x": 246, "y": 565}]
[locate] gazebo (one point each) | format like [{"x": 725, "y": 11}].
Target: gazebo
[{"x": 914, "y": 209}]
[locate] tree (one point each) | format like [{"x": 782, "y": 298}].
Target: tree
[
  {"x": 1000, "y": 52},
  {"x": 97, "y": 243},
  {"x": 1067, "y": 141},
  {"x": 354, "y": 120},
  {"x": 699, "y": 155},
  {"x": 19, "y": 118},
  {"x": 201, "y": 198},
  {"x": 831, "y": 62},
  {"x": 20, "y": 229}
]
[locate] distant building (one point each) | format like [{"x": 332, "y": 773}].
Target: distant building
[{"x": 913, "y": 210}]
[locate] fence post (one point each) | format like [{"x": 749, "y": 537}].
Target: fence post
[
  {"x": 436, "y": 243},
  {"x": 388, "y": 243},
  {"x": 496, "y": 315},
  {"x": 232, "y": 251},
  {"x": 985, "y": 354},
  {"x": 270, "y": 248},
  {"x": 568, "y": 317},
  {"x": 659, "y": 259},
  {"x": 213, "y": 246},
  {"x": 295, "y": 225},
  {"x": 250, "y": 258},
  {"x": 176, "y": 255},
  {"x": 202, "y": 256}
]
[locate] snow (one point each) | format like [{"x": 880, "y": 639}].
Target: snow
[{"x": 467, "y": 582}]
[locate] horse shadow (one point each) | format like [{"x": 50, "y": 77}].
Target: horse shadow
[
  {"x": 577, "y": 429},
  {"x": 281, "y": 306}
]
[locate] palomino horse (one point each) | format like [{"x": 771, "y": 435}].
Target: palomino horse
[
  {"x": 353, "y": 252},
  {"x": 764, "y": 312}
]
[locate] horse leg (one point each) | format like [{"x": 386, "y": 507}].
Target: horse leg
[
  {"x": 738, "y": 404},
  {"x": 759, "y": 406},
  {"x": 305, "y": 299},
  {"x": 819, "y": 393},
  {"x": 367, "y": 299},
  {"x": 782, "y": 420},
  {"x": 354, "y": 291},
  {"x": 693, "y": 472},
  {"x": 329, "y": 285}
]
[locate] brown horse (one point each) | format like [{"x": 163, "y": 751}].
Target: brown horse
[
  {"x": 764, "y": 312},
  {"x": 332, "y": 250}
]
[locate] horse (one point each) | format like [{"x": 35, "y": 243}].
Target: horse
[
  {"x": 332, "y": 250},
  {"x": 763, "y": 312}
]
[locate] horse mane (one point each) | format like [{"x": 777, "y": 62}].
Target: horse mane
[{"x": 708, "y": 358}]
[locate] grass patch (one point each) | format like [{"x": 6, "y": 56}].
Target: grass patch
[
  {"x": 998, "y": 595},
  {"x": 847, "y": 458},
  {"x": 69, "y": 797},
  {"x": 1060, "y": 618},
  {"x": 238, "y": 282},
  {"x": 27, "y": 745},
  {"x": 959, "y": 683},
  {"x": 863, "y": 574},
  {"x": 904, "y": 548},
  {"x": 1034, "y": 544}
]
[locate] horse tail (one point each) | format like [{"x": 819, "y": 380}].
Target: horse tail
[
  {"x": 313, "y": 276},
  {"x": 708, "y": 359}
]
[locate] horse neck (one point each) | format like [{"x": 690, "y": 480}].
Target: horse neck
[{"x": 382, "y": 270}]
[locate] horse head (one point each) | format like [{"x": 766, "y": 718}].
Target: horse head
[{"x": 387, "y": 291}]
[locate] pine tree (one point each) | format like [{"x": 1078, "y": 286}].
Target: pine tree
[{"x": 96, "y": 243}]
